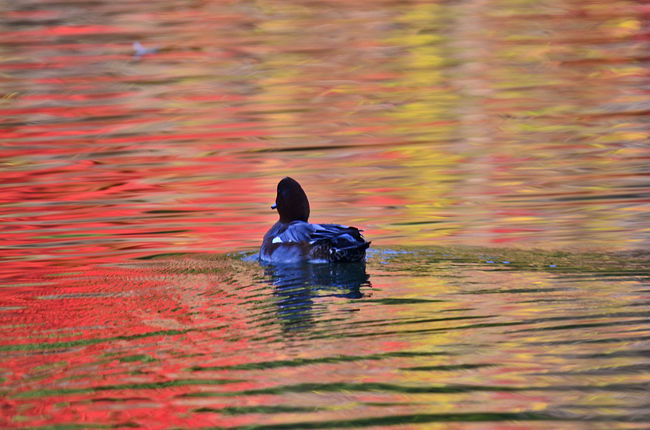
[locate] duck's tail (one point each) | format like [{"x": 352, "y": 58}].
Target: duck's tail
[
  {"x": 343, "y": 243},
  {"x": 352, "y": 253}
]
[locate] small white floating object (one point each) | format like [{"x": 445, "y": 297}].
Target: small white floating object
[{"x": 141, "y": 50}]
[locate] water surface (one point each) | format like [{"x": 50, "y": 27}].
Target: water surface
[
  {"x": 439, "y": 335},
  {"x": 495, "y": 152}
]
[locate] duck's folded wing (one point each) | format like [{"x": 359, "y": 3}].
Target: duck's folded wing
[{"x": 340, "y": 236}]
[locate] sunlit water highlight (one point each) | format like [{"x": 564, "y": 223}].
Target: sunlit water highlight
[{"x": 496, "y": 154}]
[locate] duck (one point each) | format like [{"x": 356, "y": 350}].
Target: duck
[{"x": 294, "y": 239}]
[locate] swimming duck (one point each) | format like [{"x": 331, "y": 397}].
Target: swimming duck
[{"x": 293, "y": 238}]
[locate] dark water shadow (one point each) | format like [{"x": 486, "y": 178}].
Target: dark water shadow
[{"x": 298, "y": 286}]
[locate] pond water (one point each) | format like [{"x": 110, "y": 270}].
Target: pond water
[{"x": 496, "y": 153}]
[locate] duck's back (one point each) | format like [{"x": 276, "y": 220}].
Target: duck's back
[{"x": 301, "y": 240}]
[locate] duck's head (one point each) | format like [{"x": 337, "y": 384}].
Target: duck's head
[{"x": 291, "y": 201}]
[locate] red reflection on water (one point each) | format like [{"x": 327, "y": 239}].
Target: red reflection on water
[{"x": 78, "y": 340}]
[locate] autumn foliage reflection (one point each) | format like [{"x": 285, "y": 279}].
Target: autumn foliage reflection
[{"x": 127, "y": 180}]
